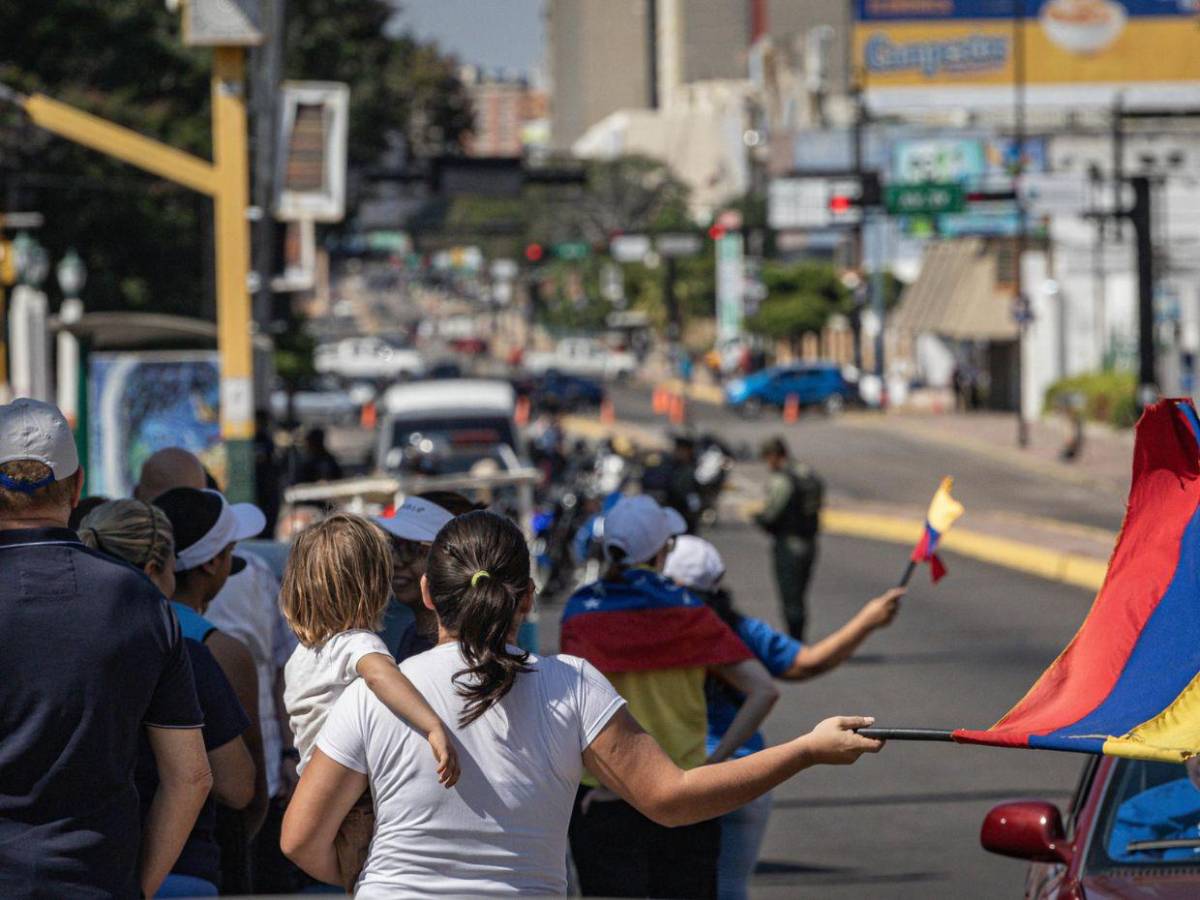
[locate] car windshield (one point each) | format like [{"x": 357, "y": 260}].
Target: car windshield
[
  {"x": 1151, "y": 817},
  {"x": 447, "y": 445}
]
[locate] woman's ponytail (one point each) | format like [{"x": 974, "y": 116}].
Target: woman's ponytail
[{"x": 478, "y": 575}]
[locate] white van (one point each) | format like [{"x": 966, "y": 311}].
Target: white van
[{"x": 448, "y": 426}]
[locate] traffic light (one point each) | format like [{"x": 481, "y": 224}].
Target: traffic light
[
  {"x": 840, "y": 203},
  {"x": 534, "y": 252}
]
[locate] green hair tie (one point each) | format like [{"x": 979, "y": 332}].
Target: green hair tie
[{"x": 482, "y": 573}]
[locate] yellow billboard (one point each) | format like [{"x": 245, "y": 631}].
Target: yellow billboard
[{"x": 1073, "y": 49}]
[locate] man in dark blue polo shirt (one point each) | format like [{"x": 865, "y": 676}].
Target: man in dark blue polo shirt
[{"x": 90, "y": 655}]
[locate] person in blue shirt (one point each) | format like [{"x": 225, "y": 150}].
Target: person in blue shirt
[{"x": 696, "y": 564}]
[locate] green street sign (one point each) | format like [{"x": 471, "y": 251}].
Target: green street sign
[
  {"x": 572, "y": 250},
  {"x": 928, "y": 199}
]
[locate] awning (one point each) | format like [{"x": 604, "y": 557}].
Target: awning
[{"x": 955, "y": 295}]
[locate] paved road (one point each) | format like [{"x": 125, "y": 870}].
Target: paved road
[
  {"x": 905, "y": 824},
  {"x": 865, "y": 465}
]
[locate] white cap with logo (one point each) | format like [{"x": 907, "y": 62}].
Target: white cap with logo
[
  {"x": 36, "y": 431},
  {"x": 695, "y": 564},
  {"x": 416, "y": 519},
  {"x": 638, "y": 527}
]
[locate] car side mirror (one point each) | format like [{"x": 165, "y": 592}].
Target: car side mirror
[{"x": 1026, "y": 829}]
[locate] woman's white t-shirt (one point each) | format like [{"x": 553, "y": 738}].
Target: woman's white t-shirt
[{"x": 503, "y": 828}]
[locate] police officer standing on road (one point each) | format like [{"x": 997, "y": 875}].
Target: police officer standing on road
[{"x": 792, "y": 517}]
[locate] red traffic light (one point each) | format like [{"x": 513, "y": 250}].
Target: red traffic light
[
  {"x": 840, "y": 203},
  {"x": 534, "y": 252},
  {"x": 716, "y": 232}
]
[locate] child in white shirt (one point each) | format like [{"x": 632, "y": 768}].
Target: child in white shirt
[{"x": 335, "y": 589}]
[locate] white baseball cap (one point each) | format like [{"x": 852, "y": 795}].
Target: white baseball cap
[
  {"x": 36, "y": 431},
  {"x": 694, "y": 563},
  {"x": 639, "y": 527},
  {"x": 416, "y": 519}
]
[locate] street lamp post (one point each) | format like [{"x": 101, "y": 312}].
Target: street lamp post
[
  {"x": 72, "y": 276},
  {"x": 27, "y": 321}
]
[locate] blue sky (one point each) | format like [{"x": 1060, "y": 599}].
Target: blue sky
[{"x": 493, "y": 34}]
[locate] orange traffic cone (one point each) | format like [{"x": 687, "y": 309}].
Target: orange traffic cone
[
  {"x": 369, "y": 416},
  {"x": 521, "y": 414},
  {"x": 678, "y": 409},
  {"x": 659, "y": 400},
  {"x": 608, "y": 415},
  {"x": 791, "y": 409}
]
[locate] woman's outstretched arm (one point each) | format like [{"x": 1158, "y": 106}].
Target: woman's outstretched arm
[
  {"x": 326, "y": 793},
  {"x": 632, "y": 764}
]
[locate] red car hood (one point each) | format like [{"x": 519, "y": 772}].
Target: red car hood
[{"x": 1133, "y": 887}]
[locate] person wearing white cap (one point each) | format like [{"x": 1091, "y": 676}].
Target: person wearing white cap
[
  {"x": 696, "y": 565},
  {"x": 207, "y": 526},
  {"x": 411, "y": 529},
  {"x": 657, "y": 644},
  {"x": 90, "y": 659}
]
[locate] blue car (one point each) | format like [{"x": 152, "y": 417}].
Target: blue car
[
  {"x": 566, "y": 391},
  {"x": 813, "y": 384}
]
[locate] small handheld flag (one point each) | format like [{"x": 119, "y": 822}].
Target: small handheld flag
[{"x": 944, "y": 511}]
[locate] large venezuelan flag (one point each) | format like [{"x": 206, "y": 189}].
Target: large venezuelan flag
[
  {"x": 644, "y": 622},
  {"x": 1128, "y": 684}
]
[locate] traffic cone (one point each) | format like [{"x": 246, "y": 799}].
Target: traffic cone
[
  {"x": 608, "y": 415},
  {"x": 369, "y": 416},
  {"x": 791, "y": 409},
  {"x": 521, "y": 415},
  {"x": 678, "y": 409},
  {"x": 660, "y": 400}
]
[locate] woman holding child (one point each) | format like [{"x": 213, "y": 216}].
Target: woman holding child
[{"x": 524, "y": 728}]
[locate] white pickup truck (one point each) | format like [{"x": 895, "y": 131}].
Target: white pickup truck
[
  {"x": 367, "y": 357},
  {"x": 583, "y": 356}
]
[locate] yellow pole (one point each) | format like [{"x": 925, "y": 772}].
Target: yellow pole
[{"x": 233, "y": 265}]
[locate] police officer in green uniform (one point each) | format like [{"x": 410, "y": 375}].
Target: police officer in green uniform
[{"x": 792, "y": 517}]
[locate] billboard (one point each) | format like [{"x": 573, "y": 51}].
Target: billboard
[
  {"x": 139, "y": 403},
  {"x": 916, "y": 53}
]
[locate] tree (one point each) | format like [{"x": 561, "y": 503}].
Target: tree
[
  {"x": 148, "y": 243},
  {"x": 800, "y": 299}
]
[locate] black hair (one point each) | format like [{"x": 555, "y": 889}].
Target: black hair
[
  {"x": 478, "y": 573},
  {"x": 451, "y": 501},
  {"x": 192, "y": 513},
  {"x": 720, "y": 601},
  {"x": 82, "y": 508}
]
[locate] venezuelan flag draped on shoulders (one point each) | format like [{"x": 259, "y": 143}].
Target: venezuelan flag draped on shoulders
[
  {"x": 1128, "y": 684},
  {"x": 643, "y": 621},
  {"x": 655, "y": 642}
]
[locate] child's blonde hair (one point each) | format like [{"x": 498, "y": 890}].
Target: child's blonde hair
[{"x": 338, "y": 578}]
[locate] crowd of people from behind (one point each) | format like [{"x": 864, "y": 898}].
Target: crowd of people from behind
[{"x": 175, "y": 721}]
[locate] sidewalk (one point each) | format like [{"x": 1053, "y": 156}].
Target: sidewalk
[{"x": 1105, "y": 461}]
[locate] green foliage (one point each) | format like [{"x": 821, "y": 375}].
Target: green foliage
[
  {"x": 148, "y": 243},
  {"x": 294, "y": 356},
  {"x": 1109, "y": 396},
  {"x": 801, "y": 297}
]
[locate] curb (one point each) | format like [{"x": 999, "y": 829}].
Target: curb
[{"x": 1052, "y": 565}]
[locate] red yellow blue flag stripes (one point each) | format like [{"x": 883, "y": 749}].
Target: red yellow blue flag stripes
[
  {"x": 1128, "y": 684},
  {"x": 944, "y": 511}
]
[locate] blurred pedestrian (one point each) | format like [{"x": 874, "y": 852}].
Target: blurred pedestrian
[
  {"x": 267, "y": 469},
  {"x": 683, "y": 490},
  {"x": 317, "y": 463},
  {"x": 410, "y": 530},
  {"x": 140, "y": 534},
  {"x": 247, "y": 609},
  {"x": 657, "y": 644},
  {"x": 206, "y": 528},
  {"x": 696, "y": 565},
  {"x": 792, "y": 516},
  {"x": 91, "y": 659},
  {"x": 170, "y": 467},
  {"x": 527, "y": 726},
  {"x": 335, "y": 589}
]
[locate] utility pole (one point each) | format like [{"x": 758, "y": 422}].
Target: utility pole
[
  {"x": 226, "y": 181},
  {"x": 1018, "y": 42},
  {"x": 266, "y": 65},
  {"x": 1142, "y": 221}
]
